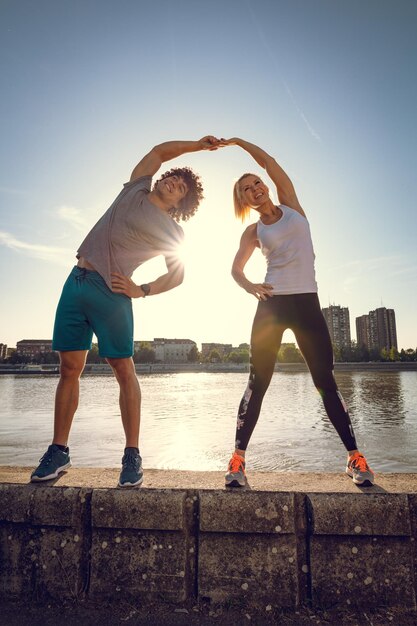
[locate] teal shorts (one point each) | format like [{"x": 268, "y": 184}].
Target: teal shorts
[{"x": 88, "y": 306}]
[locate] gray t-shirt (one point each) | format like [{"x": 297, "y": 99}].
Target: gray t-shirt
[{"x": 132, "y": 231}]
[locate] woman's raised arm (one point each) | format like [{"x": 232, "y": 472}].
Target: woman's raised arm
[{"x": 285, "y": 188}]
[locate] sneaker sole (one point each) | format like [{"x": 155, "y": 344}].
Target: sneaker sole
[
  {"x": 235, "y": 483},
  {"x": 36, "y": 479},
  {"x": 137, "y": 484},
  {"x": 364, "y": 483}
]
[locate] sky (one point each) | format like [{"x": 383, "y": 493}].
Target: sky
[{"x": 327, "y": 87}]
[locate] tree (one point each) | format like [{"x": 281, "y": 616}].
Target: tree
[
  {"x": 193, "y": 356},
  {"x": 393, "y": 354},
  {"x": 408, "y": 355},
  {"x": 93, "y": 355},
  {"x": 349, "y": 354},
  {"x": 49, "y": 357},
  {"x": 384, "y": 354},
  {"x": 289, "y": 353},
  {"x": 238, "y": 356},
  {"x": 145, "y": 354},
  {"x": 363, "y": 353},
  {"x": 214, "y": 356},
  {"x": 336, "y": 354},
  {"x": 374, "y": 354},
  {"x": 15, "y": 358}
]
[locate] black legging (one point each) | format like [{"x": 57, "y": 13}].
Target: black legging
[{"x": 302, "y": 314}]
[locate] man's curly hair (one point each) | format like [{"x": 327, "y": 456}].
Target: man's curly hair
[{"x": 189, "y": 204}]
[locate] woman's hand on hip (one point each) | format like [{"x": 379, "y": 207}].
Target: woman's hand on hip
[{"x": 261, "y": 291}]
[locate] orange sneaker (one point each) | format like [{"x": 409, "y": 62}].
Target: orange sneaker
[
  {"x": 360, "y": 472},
  {"x": 236, "y": 476}
]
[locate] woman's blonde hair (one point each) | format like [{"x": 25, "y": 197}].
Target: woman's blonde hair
[{"x": 242, "y": 209}]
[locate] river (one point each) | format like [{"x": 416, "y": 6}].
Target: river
[{"x": 188, "y": 421}]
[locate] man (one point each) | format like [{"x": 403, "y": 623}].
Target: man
[{"x": 96, "y": 298}]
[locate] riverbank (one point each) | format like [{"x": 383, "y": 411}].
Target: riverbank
[{"x": 160, "y": 368}]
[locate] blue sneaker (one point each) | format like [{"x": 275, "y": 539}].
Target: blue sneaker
[
  {"x": 53, "y": 462},
  {"x": 132, "y": 472}
]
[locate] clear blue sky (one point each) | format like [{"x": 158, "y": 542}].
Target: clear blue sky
[{"x": 328, "y": 87}]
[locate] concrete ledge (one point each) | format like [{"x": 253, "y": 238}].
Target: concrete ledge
[
  {"x": 352, "y": 514},
  {"x": 308, "y": 482},
  {"x": 161, "y": 509},
  {"x": 285, "y": 540},
  {"x": 247, "y": 511}
]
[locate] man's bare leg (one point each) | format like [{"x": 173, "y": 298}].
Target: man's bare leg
[
  {"x": 56, "y": 459},
  {"x": 129, "y": 399},
  {"x": 67, "y": 393}
]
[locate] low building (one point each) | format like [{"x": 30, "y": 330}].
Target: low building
[
  {"x": 32, "y": 348},
  {"x": 172, "y": 350}
]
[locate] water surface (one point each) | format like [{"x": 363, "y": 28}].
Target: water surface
[{"x": 188, "y": 421}]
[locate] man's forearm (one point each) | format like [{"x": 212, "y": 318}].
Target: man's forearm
[
  {"x": 172, "y": 149},
  {"x": 167, "y": 281},
  {"x": 151, "y": 162}
]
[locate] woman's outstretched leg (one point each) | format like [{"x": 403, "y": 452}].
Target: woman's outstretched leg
[
  {"x": 314, "y": 342},
  {"x": 265, "y": 342}
]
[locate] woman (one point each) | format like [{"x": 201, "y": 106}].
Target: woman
[{"x": 287, "y": 299}]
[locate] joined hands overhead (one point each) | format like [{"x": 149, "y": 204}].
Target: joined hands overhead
[{"x": 209, "y": 142}]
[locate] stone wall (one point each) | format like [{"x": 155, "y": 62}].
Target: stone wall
[{"x": 277, "y": 545}]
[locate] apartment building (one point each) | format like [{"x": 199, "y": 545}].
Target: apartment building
[
  {"x": 377, "y": 330},
  {"x": 338, "y": 322}
]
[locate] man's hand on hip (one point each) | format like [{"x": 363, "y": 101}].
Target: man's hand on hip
[{"x": 124, "y": 284}]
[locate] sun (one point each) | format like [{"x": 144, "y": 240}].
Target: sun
[{"x": 184, "y": 252}]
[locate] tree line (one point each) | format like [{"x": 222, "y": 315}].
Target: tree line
[{"x": 288, "y": 353}]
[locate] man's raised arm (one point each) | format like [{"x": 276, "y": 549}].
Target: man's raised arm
[{"x": 152, "y": 161}]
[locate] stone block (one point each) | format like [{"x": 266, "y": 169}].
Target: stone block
[
  {"x": 412, "y": 501},
  {"x": 44, "y": 561},
  {"x": 247, "y": 512},
  {"x": 359, "y": 514},
  {"x": 58, "y": 507},
  {"x": 59, "y": 564},
  {"x": 17, "y": 558},
  {"x": 302, "y": 547},
  {"x": 361, "y": 571},
  {"x": 44, "y": 551},
  {"x": 138, "y": 508},
  {"x": 15, "y": 503},
  {"x": 249, "y": 569},
  {"x": 129, "y": 563},
  {"x": 142, "y": 544}
]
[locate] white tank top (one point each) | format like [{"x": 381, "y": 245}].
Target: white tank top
[{"x": 289, "y": 253}]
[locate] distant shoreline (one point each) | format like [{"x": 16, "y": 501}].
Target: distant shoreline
[{"x": 169, "y": 368}]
